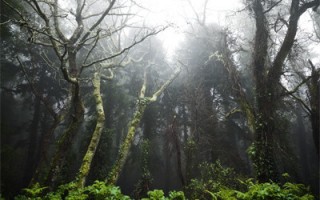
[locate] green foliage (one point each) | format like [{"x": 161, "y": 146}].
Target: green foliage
[
  {"x": 155, "y": 195},
  {"x": 252, "y": 150},
  {"x": 266, "y": 191},
  {"x": 219, "y": 191},
  {"x": 263, "y": 162},
  {"x": 174, "y": 195},
  {"x": 214, "y": 178},
  {"x": 34, "y": 192},
  {"x": 99, "y": 190},
  {"x": 217, "y": 182},
  {"x": 159, "y": 195}
]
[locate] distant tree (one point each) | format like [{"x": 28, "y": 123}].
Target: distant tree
[{"x": 309, "y": 100}]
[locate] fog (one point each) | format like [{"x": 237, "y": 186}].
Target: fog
[{"x": 216, "y": 99}]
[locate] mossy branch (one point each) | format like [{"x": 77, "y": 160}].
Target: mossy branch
[{"x": 87, "y": 160}]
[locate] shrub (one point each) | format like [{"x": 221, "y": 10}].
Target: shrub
[
  {"x": 214, "y": 178},
  {"x": 99, "y": 190},
  {"x": 266, "y": 191},
  {"x": 217, "y": 182},
  {"x": 159, "y": 195}
]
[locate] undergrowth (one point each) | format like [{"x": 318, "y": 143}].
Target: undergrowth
[{"x": 214, "y": 183}]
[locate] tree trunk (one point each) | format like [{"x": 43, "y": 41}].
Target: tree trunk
[
  {"x": 314, "y": 89},
  {"x": 43, "y": 150},
  {"x": 87, "y": 160},
  {"x": 33, "y": 132},
  {"x": 303, "y": 155},
  {"x": 262, "y": 154},
  {"x": 77, "y": 115},
  {"x": 141, "y": 105},
  {"x": 125, "y": 146},
  {"x": 176, "y": 142}
]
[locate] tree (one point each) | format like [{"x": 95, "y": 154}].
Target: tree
[
  {"x": 74, "y": 44},
  {"x": 310, "y": 103},
  {"x": 267, "y": 74},
  {"x": 141, "y": 105}
]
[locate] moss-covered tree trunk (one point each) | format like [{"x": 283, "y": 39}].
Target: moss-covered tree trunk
[
  {"x": 141, "y": 105},
  {"x": 71, "y": 73},
  {"x": 77, "y": 115},
  {"x": 125, "y": 146},
  {"x": 87, "y": 160}
]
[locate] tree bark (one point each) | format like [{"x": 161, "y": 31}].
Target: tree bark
[
  {"x": 141, "y": 105},
  {"x": 125, "y": 146},
  {"x": 314, "y": 92},
  {"x": 44, "y": 146},
  {"x": 262, "y": 154},
  {"x": 87, "y": 160},
  {"x": 178, "y": 150},
  {"x": 77, "y": 115}
]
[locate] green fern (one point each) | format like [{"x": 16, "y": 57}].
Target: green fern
[{"x": 35, "y": 190}]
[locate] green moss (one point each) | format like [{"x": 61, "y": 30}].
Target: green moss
[
  {"x": 86, "y": 163},
  {"x": 125, "y": 147}
]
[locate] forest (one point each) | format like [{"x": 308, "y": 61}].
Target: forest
[{"x": 110, "y": 99}]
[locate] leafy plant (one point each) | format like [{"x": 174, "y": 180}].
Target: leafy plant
[
  {"x": 155, "y": 195},
  {"x": 266, "y": 191},
  {"x": 34, "y": 192},
  {"x": 159, "y": 195},
  {"x": 174, "y": 195},
  {"x": 217, "y": 182},
  {"x": 99, "y": 190},
  {"x": 213, "y": 177}
]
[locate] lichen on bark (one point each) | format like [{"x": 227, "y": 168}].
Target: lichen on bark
[{"x": 87, "y": 160}]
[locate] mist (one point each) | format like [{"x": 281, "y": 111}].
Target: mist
[{"x": 184, "y": 99}]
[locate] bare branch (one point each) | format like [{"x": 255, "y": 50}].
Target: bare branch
[
  {"x": 110, "y": 77},
  {"x": 86, "y": 35},
  {"x": 125, "y": 49},
  {"x": 164, "y": 86},
  {"x": 305, "y": 106},
  {"x": 53, "y": 40},
  {"x": 312, "y": 4},
  {"x": 56, "y": 21},
  {"x": 297, "y": 87},
  {"x": 13, "y": 8},
  {"x": 272, "y": 6},
  {"x": 92, "y": 48},
  {"x": 144, "y": 85}
]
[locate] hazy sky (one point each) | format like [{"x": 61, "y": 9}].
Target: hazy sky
[{"x": 180, "y": 13}]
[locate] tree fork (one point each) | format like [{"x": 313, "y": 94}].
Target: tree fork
[{"x": 141, "y": 105}]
